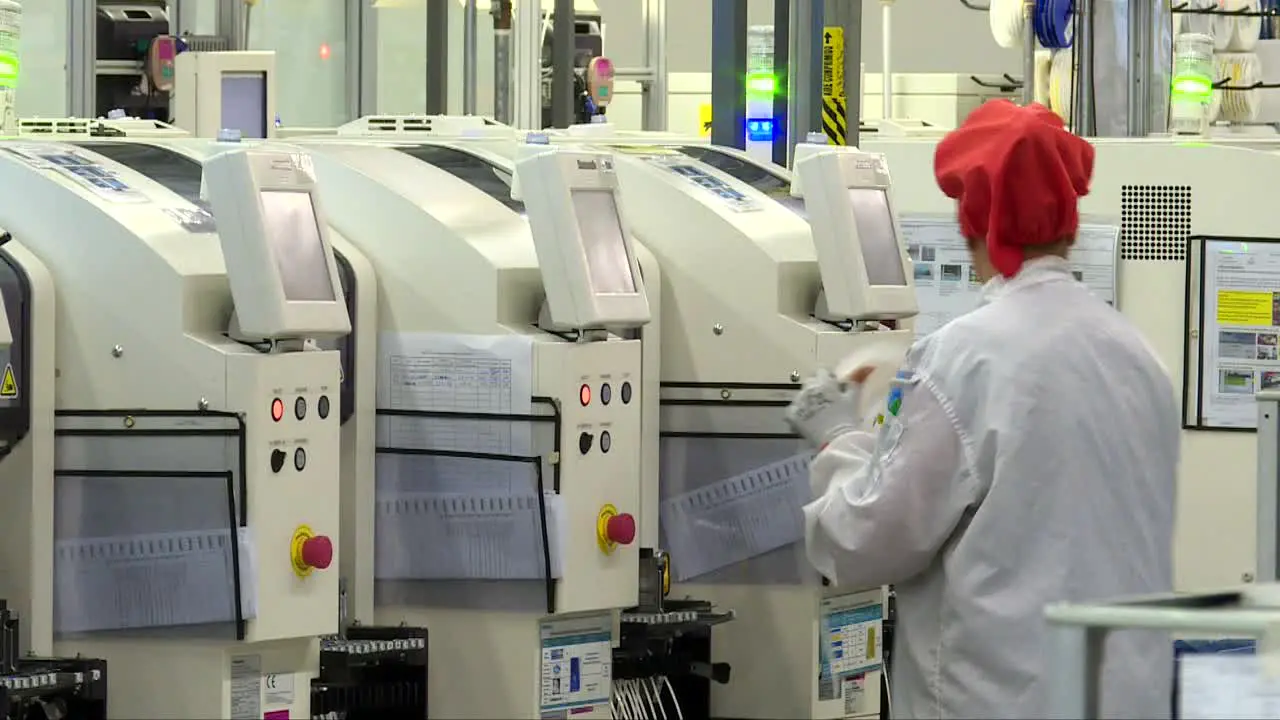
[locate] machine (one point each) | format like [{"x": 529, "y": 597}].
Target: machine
[
  {"x": 186, "y": 485},
  {"x": 1176, "y": 228},
  {"x": 508, "y": 417}
]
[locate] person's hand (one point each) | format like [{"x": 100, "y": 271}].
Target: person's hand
[{"x": 827, "y": 407}]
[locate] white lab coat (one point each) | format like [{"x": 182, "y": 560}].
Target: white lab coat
[{"x": 1033, "y": 461}]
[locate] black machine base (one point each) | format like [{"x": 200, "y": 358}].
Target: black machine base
[
  {"x": 373, "y": 673},
  {"x": 33, "y": 688}
]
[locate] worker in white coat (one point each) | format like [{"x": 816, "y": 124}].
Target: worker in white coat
[{"x": 1027, "y": 455}]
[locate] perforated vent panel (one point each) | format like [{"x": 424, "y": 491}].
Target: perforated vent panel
[{"x": 1155, "y": 221}]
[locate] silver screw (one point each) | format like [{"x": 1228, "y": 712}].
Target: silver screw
[
  {"x": 718, "y": 329},
  {"x": 795, "y": 376},
  {"x": 726, "y": 394},
  {"x": 1247, "y": 577},
  {"x": 117, "y": 351}
]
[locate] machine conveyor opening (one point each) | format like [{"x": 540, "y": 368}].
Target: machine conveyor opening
[
  {"x": 758, "y": 176},
  {"x": 471, "y": 169}
]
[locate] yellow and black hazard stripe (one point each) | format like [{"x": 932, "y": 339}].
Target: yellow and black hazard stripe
[{"x": 834, "y": 125}]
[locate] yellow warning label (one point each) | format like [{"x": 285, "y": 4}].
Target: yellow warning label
[
  {"x": 704, "y": 120},
  {"x": 8, "y": 386},
  {"x": 834, "y": 121},
  {"x": 1235, "y": 307},
  {"x": 833, "y": 62}
]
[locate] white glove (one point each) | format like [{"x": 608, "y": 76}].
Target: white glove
[{"x": 825, "y": 408}]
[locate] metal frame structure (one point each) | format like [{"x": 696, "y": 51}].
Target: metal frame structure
[
  {"x": 797, "y": 47},
  {"x": 1078, "y": 633}
]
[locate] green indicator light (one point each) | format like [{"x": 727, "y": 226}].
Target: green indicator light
[
  {"x": 1192, "y": 86},
  {"x": 761, "y": 83}
]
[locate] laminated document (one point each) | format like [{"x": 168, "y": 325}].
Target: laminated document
[
  {"x": 150, "y": 581},
  {"x": 464, "y": 374},
  {"x": 737, "y": 518},
  {"x": 440, "y": 536},
  {"x": 1213, "y": 686}
]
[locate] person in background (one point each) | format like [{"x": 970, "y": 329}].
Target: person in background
[{"x": 1028, "y": 454}]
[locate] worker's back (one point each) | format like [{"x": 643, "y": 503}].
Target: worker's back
[{"x": 1071, "y": 427}]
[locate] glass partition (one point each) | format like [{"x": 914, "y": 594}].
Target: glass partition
[{"x": 310, "y": 42}]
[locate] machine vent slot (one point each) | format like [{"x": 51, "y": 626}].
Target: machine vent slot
[
  {"x": 1155, "y": 222},
  {"x": 417, "y": 124},
  {"x": 206, "y": 43},
  {"x": 65, "y": 126}
]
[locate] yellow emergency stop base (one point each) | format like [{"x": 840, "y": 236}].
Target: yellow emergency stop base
[
  {"x": 607, "y": 513},
  {"x": 300, "y": 537}
]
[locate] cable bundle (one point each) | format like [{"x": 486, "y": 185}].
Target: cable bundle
[
  {"x": 641, "y": 699},
  {"x": 1238, "y": 70},
  {"x": 1007, "y": 22},
  {"x": 1052, "y": 23},
  {"x": 1060, "y": 84}
]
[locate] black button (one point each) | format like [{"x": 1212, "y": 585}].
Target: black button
[
  {"x": 584, "y": 442},
  {"x": 277, "y": 460},
  {"x": 606, "y": 393},
  {"x": 299, "y": 459},
  {"x": 606, "y": 441},
  {"x": 300, "y": 407},
  {"x": 626, "y": 392},
  {"x": 322, "y": 406}
]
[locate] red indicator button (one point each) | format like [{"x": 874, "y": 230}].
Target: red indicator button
[
  {"x": 277, "y": 409},
  {"x": 584, "y": 394},
  {"x": 621, "y": 529},
  {"x": 317, "y": 552}
]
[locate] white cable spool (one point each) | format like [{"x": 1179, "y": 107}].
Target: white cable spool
[
  {"x": 1060, "y": 73},
  {"x": 1196, "y": 23},
  {"x": 1007, "y": 22},
  {"x": 1221, "y": 26},
  {"x": 1245, "y": 29},
  {"x": 1044, "y": 66},
  {"x": 1238, "y": 70}
]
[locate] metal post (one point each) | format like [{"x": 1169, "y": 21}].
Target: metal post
[
  {"x": 437, "y": 57},
  {"x": 654, "y": 92},
  {"x": 852, "y": 23},
  {"x": 804, "y": 69},
  {"x": 470, "y": 57},
  {"x": 563, "y": 26},
  {"x": 1082, "y": 102},
  {"x": 1075, "y": 662},
  {"x": 781, "y": 71},
  {"x": 362, "y": 59},
  {"x": 502, "y": 61},
  {"x": 231, "y": 23},
  {"x": 729, "y": 73},
  {"x": 82, "y": 58},
  {"x": 1028, "y": 52},
  {"x": 1139, "y": 116},
  {"x": 526, "y": 81}
]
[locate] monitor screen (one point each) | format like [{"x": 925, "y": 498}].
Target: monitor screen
[
  {"x": 244, "y": 103},
  {"x": 603, "y": 242},
  {"x": 880, "y": 252},
  {"x": 294, "y": 235}
]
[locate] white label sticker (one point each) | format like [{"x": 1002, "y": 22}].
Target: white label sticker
[
  {"x": 246, "y": 687},
  {"x": 278, "y": 689},
  {"x": 853, "y": 690},
  {"x": 851, "y": 634},
  {"x": 577, "y": 658}
]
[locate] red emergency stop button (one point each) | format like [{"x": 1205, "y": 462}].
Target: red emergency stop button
[
  {"x": 309, "y": 551},
  {"x": 614, "y": 528}
]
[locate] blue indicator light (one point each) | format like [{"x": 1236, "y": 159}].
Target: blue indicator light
[{"x": 760, "y": 130}]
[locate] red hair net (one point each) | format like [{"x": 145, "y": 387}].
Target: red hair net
[{"x": 1016, "y": 174}]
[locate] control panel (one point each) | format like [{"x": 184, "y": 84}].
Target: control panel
[
  {"x": 599, "y": 469},
  {"x": 292, "y": 439}
]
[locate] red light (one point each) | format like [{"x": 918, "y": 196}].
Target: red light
[
  {"x": 277, "y": 409},
  {"x": 324, "y": 51},
  {"x": 584, "y": 394}
]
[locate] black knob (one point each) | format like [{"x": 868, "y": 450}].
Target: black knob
[
  {"x": 277, "y": 460},
  {"x": 584, "y": 442}
]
